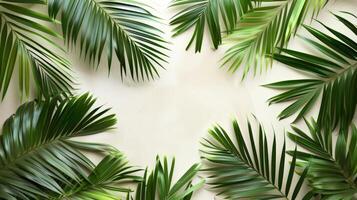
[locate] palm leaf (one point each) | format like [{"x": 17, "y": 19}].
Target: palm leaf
[
  {"x": 122, "y": 26},
  {"x": 263, "y": 28},
  {"x": 332, "y": 165},
  {"x": 38, "y": 157},
  {"x": 105, "y": 181},
  {"x": 26, "y": 44},
  {"x": 215, "y": 14},
  {"x": 333, "y": 74},
  {"x": 234, "y": 172},
  {"x": 159, "y": 184}
]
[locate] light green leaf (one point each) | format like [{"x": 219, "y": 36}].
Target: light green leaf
[{"x": 214, "y": 15}]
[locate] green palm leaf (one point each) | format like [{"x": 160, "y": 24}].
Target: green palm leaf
[
  {"x": 332, "y": 165},
  {"x": 333, "y": 73},
  {"x": 159, "y": 184},
  {"x": 122, "y": 26},
  {"x": 211, "y": 13},
  {"x": 105, "y": 180},
  {"x": 38, "y": 157},
  {"x": 262, "y": 29},
  {"x": 26, "y": 44},
  {"x": 238, "y": 173}
]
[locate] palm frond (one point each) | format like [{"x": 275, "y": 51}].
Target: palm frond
[
  {"x": 27, "y": 44},
  {"x": 235, "y": 172},
  {"x": 215, "y": 14},
  {"x": 105, "y": 181},
  {"x": 332, "y": 165},
  {"x": 38, "y": 157},
  {"x": 334, "y": 74},
  {"x": 159, "y": 184},
  {"x": 123, "y": 26},
  {"x": 263, "y": 28}
]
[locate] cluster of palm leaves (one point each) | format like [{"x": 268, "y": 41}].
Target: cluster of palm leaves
[
  {"x": 124, "y": 28},
  {"x": 259, "y": 33},
  {"x": 332, "y": 165},
  {"x": 236, "y": 173},
  {"x": 42, "y": 158},
  {"x": 240, "y": 170},
  {"x": 253, "y": 27},
  {"x": 27, "y": 44},
  {"x": 329, "y": 165},
  {"x": 334, "y": 75},
  {"x": 159, "y": 184}
]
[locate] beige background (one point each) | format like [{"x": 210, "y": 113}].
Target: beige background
[{"x": 170, "y": 115}]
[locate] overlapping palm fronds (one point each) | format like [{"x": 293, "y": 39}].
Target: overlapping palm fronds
[
  {"x": 26, "y": 45},
  {"x": 332, "y": 165},
  {"x": 159, "y": 183},
  {"x": 333, "y": 74},
  {"x": 213, "y": 14},
  {"x": 121, "y": 27},
  {"x": 38, "y": 159},
  {"x": 108, "y": 180},
  {"x": 262, "y": 29},
  {"x": 254, "y": 28},
  {"x": 237, "y": 170}
]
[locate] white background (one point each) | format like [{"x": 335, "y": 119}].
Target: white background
[{"x": 171, "y": 115}]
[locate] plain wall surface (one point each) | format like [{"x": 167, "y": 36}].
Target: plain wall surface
[{"x": 170, "y": 116}]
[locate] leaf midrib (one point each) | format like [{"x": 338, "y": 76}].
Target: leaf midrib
[
  {"x": 340, "y": 73},
  {"x": 81, "y": 188},
  {"x": 337, "y": 75},
  {"x": 115, "y": 23},
  {"x": 261, "y": 175},
  {"x": 266, "y": 25},
  {"x": 21, "y": 41},
  {"x": 348, "y": 179},
  {"x": 28, "y": 152}
]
